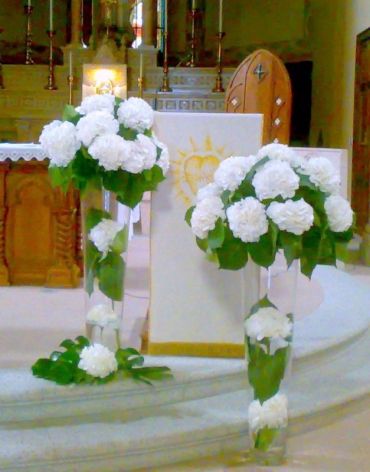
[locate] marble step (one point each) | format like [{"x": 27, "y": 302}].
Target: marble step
[
  {"x": 319, "y": 339},
  {"x": 187, "y": 430}
]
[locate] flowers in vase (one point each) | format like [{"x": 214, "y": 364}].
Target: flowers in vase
[
  {"x": 102, "y": 315},
  {"x": 270, "y": 414},
  {"x": 104, "y": 234},
  {"x": 106, "y": 143}
]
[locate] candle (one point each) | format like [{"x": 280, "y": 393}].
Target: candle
[
  {"x": 141, "y": 66},
  {"x": 51, "y": 25},
  {"x": 29, "y": 3},
  {"x": 165, "y": 16},
  {"x": 193, "y": 5},
  {"x": 70, "y": 64},
  {"x": 220, "y": 16}
]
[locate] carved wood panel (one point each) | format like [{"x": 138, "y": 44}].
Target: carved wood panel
[{"x": 261, "y": 84}]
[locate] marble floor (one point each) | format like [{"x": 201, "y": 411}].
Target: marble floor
[{"x": 33, "y": 320}]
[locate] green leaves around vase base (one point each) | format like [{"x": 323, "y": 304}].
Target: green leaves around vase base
[{"x": 264, "y": 438}]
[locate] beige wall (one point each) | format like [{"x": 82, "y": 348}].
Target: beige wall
[{"x": 335, "y": 25}]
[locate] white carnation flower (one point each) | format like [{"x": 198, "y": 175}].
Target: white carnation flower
[
  {"x": 111, "y": 150},
  {"x": 59, "y": 141},
  {"x": 102, "y": 315},
  {"x": 103, "y": 102},
  {"x": 247, "y": 219},
  {"x": 143, "y": 155},
  {"x": 164, "y": 159},
  {"x": 205, "y": 215},
  {"x": 272, "y": 413},
  {"x": 136, "y": 113},
  {"x": 98, "y": 361},
  {"x": 103, "y": 234},
  {"x": 269, "y": 323},
  {"x": 231, "y": 172},
  {"x": 96, "y": 123},
  {"x": 293, "y": 216},
  {"x": 339, "y": 212},
  {"x": 322, "y": 173},
  {"x": 209, "y": 190},
  {"x": 280, "y": 152},
  {"x": 275, "y": 178}
]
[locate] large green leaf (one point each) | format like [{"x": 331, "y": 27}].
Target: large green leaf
[
  {"x": 120, "y": 242},
  {"x": 263, "y": 252},
  {"x": 233, "y": 254},
  {"x": 95, "y": 216},
  {"x": 61, "y": 176},
  {"x": 310, "y": 250},
  {"x": 265, "y": 438},
  {"x": 292, "y": 246},
  {"x": 70, "y": 114},
  {"x": 217, "y": 235},
  {"x": 189, "y": 214},
  {"x": 111, "y": 273}
]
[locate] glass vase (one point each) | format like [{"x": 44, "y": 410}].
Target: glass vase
[
  {"x": 105, "y": 224},
  {"x": 268, "y": 347}
]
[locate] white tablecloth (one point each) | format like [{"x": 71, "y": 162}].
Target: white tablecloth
[{"x": 17, "y": 151}]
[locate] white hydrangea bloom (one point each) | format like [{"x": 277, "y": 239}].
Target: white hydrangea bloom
[
  {"x": 103, "y": 234},
  {"x": 136, "y": 113},
  {"x": 275, "y": 178},
  {"x": 164, "y": 159},
  {"x": 96, "y": 123},
  {"x": 205, "y": 215},
  {"x": 143, "y": 155},
  {"x": 269, "y": 323},
  {"x": 322, "y": 173},
  {"x": 209, "y": 190},
  {"x": 111, "y": 150},
  {"x": 102, "y": 315},
  {"x": 247, "y": 219},
  {"x": 104, "y": 102},
  {"x": 293, "y": 216},
  {"x": 59, "y": 141},
  {"x": 231, "y": 172},
  {"x": 272, "y": 413},
  {"x": 97, "y": 360},
  {"x": 339, "y": 212},
  {"x": 280, "y": 152}
]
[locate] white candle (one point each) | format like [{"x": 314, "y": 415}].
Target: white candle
[
  {"x": 165, "y": 16},
  {"x": 70, "y": 64},
  {"x": 220, "y": 16},
  {"x": 29, "y": 3},
  {"x": 141, "y": 66},
  {"x": 193, "y": 5},
  {"x": 51, "y": 25}
]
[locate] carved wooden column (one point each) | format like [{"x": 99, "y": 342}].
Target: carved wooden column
[
  {"x": 4, "y": 273},
  {"x": 149, "y": 23}
]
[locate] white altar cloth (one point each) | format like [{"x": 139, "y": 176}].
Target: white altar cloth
[{"x": 17, "y": 151}]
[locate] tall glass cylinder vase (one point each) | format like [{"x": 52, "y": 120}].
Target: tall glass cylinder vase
[
  {"x": 268, "y": 341},
  {"x": 106, "y": 226}
]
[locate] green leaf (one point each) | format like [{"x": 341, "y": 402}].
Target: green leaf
[
  {"x": 188, "y": 214},
  {"x": 41, "y": 368},
  {"x": 292, "y": 246},
  {"x": 85, "y": 170},
  {"x": 120, "y": 242},
  {"x": 202, "y": 244},
  {"x": 111, "y": 273},
  {"x": 94, "y": 216},
  {"x": 310, "y": 250},
  {"x": 67, "y": 343},
  {"x": 70, "y": 114},
  {"x": 265, "y": 438},
  {"x": 128, "y": 133},
  {"x": 62, "y": 372},
  {"x": 60, "y": 177},
  {"x": 217, "y": 235},
  {"x": 233, "y": 255},
  {"x": 82, "y": 341},
  {"x": 263, "y": 252}
]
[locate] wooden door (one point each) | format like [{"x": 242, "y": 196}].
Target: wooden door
[
  {"x": 261, "y": 84},
  {"x": 361, "y": 132}
]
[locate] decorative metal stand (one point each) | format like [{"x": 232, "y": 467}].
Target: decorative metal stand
[
  {"x": 218, "y": 86},
  {"x": 70, "y": 88},
  {"x": 28, "y": 9},
  {"x": 51, "y": 78},
  {"x": 165, "y": 81},
  {"x": 140, "y": 85}
]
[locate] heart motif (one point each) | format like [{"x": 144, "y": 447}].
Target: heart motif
[{"x": 199, "y": 170}]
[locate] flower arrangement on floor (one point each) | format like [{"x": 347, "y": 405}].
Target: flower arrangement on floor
[
  {"x": 107, "y": 150},
  {"x": 256, "y": 208},
  {"x": 86, "y": 363}
]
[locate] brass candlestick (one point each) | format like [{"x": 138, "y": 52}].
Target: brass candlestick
[
  {"x": 51, "y": 78},
  {"x": 219, "y": 87},
  {"x": 28, "y": 9},
  {"x": 1, "y": 68},
  {"x": 140, "y": 85},
  {"x": 70, "y": 88},
  {"x": 165, "y": 81}
]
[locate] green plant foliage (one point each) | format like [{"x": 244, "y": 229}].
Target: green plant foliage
[
  {"x": 264, "y": 438},
  {"x": 62, "y": 367}
]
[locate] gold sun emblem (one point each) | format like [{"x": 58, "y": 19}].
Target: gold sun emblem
[{"x": 194, "y": 168}]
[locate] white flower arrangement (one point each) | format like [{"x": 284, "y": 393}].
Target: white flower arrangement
[
  {"x": 164, "y": 160},
  {"x": 339, "y": 212},
  {"x": 275, "y": 178},
  {"x": 272, "y": 413},
  {"x": 232, "y": 171},
  {"x": 268, "y": 323},
  {"x": 322, "y": 173},
  {"x": 94, "y": 124},
  {"x": 294, "y": 216},
  {"x": 135, "y": 113},
  {"x": 247, "y": 219},
  {"x": 103, "y": 234},
  {"x": 111, "y": 151},
  {"x": 98, "y": 361},
  {"x": 205, "y": 215},
  {"x": 104, "y": 102},
  {"x": 281, "y": 152},
  {"x": 102, "y": 315},
  {"x": 143, "y": 155},
  {"x": 209, "y": 190},
  {"x": 59, "y": 140}
]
